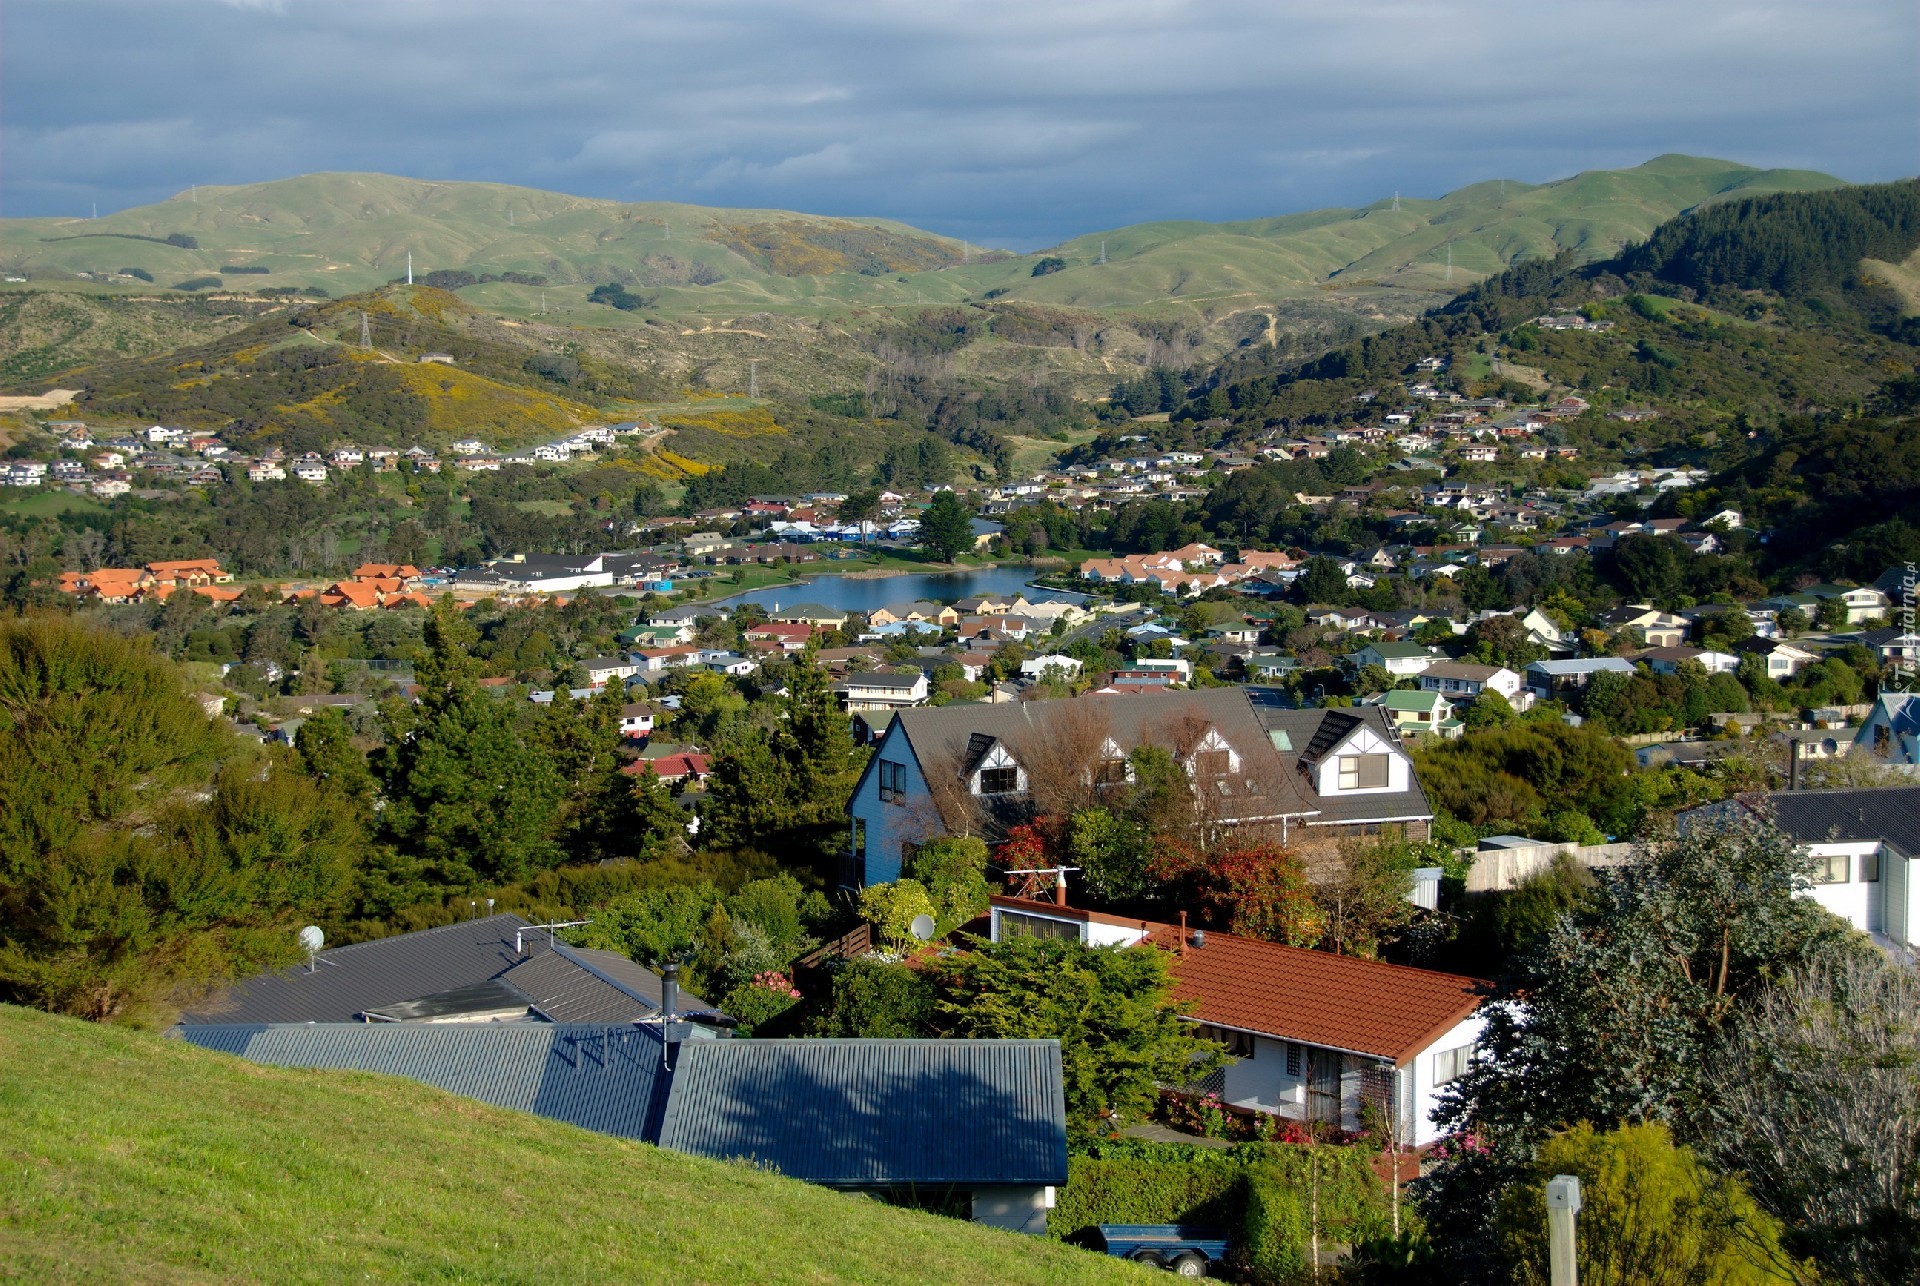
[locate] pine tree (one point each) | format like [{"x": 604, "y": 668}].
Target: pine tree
[{"x": 946, "y": 527}]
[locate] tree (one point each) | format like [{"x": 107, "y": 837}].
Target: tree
[
  {"x": 1262, "y": 891},
  {"x": 859, "y": 506},
  {"x": 1361, "y": 894},
  {"x": 1322, "y": 581},
  {"x": 1792, "y": 621},
  {"x": 892, "y": 908},
  {"x": 1840, "y": 1165},
  {"x": 876, "y": 999},
  {"x": 1112, "y": 853},
  {"x": 1488, "y": 710},
  {"x": 142, "y": 848},
  {"x": 954, "y": 870},
  {"x": 1111, "y": 1009},
  {"x": 768, "y": 784},
  {"x": 468, "y": 797},
  {"x": 1652, "y": 1214},
  {"x": 1502, "y": 640},
  {"x": 1831, "y": 614},
  {"x": 946, "y": 528}
]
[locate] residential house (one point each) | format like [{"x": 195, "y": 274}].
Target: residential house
[
  {"x": 786, "y": 636},
  {"x": 1892, "y": 644},
  {"x": 1865, "y": 845},
  {"x": 493, "y": 1009},
  {"x": 1558, "y": 679},
  {"x": 1309, "y": 775},
  {"x": 825, "y": 618},
  {"x": 1314, "y": 1036},
  {"x": 602, "y": 670},
  {"x": 1782, "y": 659},
  {"x": 688, "y": 766},
  {"x": 1418, "y": 713},
  {"x": 1465, "y": 680},
  {"x": 1891, "y": 731},
  {"x": 636, "y": 721},
  {"x": 882, "y": 691},
  {"x": 1653, "y": 627},
  {"x": 1398, "y": 659}
]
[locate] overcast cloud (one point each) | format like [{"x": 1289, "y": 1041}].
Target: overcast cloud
[{"x": 1008, "y": 123}]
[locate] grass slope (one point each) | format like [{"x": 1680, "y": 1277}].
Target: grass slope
[{"x": 130, "y": 1158}]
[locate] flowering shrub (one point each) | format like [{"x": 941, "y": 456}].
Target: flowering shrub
[{"x": 778, "y": 983}]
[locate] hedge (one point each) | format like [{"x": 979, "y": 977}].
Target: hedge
[{"x": 1262, "y": 1194}]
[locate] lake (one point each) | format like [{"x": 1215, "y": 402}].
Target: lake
[{"x": 864, "y": 593}]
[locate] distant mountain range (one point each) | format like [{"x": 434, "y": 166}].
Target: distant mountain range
[{"x": 344, "y": 233}]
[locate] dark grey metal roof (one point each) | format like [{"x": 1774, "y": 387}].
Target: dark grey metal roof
[
  {"x": 603, "y": 1078},
  {"x": 868, "y": 1113},
  {"x": 423, "y": 974},
  {"x": 1891, "y": 814},
  {"x": 492, "y": 999}
]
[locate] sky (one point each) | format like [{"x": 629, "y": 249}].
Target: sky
[{"x": 1013, "y": 123}]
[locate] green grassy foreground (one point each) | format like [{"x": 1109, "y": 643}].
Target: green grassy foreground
[{"x": 127, "y": 1157}]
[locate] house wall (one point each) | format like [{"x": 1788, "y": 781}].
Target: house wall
[
  {"x": 1856, "y": 901},
  {"x": 890, "y": 826},
  {"x": 1426, "y": 1095},
  {"x": 1363, "y": 742},
  {"x": 1262, "y": 1082},
  {"x": 1017, "y": 1209}
]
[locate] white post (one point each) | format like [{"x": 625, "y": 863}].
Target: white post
[{"x": 1563, "y": 1203}]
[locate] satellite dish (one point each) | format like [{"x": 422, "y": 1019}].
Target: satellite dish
[
  {"x": 922, "y": 927},
  {"x": 311, "y": 939}
]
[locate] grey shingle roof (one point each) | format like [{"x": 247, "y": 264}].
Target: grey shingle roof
[
  {"x": 603, "y": 1078},
  {"x": 862, "y": 1113},
  {"x": 1891, "y": 814}
]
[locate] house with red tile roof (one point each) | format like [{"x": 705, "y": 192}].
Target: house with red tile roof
[{"x": 1314, "y": 1036}]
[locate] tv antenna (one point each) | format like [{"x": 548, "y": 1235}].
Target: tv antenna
[{"x": 520, "y": 949}]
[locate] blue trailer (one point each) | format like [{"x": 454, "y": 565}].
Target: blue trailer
[{"x": 1184, "y": 1249}]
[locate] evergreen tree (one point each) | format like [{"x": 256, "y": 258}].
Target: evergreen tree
[
  {"x": 796, "y": 776},
  {"x": 946, "y": 528},
  {"x": 467, "y": 796}
]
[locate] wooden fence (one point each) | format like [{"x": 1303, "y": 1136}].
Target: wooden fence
[{"x": 1502, "y": 868}]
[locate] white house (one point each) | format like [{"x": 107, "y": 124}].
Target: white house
[
  {"x": 636, "y": 720},
  {"x": 1313, "y": 1036},
  {"x": 883, "y": 691},
  {"x": 1036, "y": 667},
  {"x": 602, "y": 670},
  {"x": 1866, "y": 850},
  {"x": 1464, "y": 680},
  {"x": 1399, "y": 659}
]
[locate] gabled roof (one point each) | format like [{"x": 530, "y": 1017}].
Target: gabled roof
[
  {"x": 866, "y": 1113},
  {"x": 432, "y": 969},
  {"x": 1890, "y": 814},
  {"x": 1338, "y": 1002}
]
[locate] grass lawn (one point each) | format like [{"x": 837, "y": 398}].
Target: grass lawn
[
  {"x": 46, "y": 504},
  {"x": 132, "y": 1158}
]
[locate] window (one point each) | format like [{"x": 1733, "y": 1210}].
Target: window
[
  {"x": 1870, "y": 867},
  {"x": 893, "y": 781},
  {"x": 1363, "y": 772},
  {"x": 1237, "y": 1043},
  {"x": 1449, "y": 1064},
  {"x": 1111, "y": 772},
  {"x": 1833, "y": 868},
  {"x": 1212, "y": 763},
  {"x": 999, "y": 781},
  {"x": 1019, "y": 924},
  {"x": 1296, "y": 1060}
]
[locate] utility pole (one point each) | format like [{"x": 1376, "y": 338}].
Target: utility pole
[{"x": 1563, "y": 1204}]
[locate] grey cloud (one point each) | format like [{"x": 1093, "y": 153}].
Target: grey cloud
[{"x": 1006, "y": 121}]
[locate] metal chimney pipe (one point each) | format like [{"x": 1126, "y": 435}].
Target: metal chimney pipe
[
  {"x": 1060, "y": 887},
  {"x": 1793, "y": 764},
  {"x": 669, "y": 991},
  {"x": 1183, "y": 933}
]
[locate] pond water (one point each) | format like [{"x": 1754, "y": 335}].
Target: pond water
[{"x": 863, "y": 594}]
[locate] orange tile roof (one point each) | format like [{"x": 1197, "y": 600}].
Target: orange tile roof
[
  {"x": 1338, "y": 1002},
  {"x": 217, "y": 594}
]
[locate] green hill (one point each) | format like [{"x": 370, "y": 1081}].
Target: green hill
[
  {"x": 131, "y": 1158},
  {"x": 349, "y": 232}
]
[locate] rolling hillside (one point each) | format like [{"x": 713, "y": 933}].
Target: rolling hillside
[
  {"x": 131, "y": 1158},
  {"x": 349, "y": 232}
]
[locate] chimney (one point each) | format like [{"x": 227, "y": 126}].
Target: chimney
[
  {"x": 1183, "y": 933},
  {"x": 1793, "y": 764},
  {"x": 669, "y": 991},
  {"x": 1060, "y": 887}
]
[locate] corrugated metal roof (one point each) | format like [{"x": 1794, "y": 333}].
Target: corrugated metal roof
[
  {"x": 599, "y": 1077},
  {"x": 868, "y": 1113},
  {"x": 567, "y": 984}
]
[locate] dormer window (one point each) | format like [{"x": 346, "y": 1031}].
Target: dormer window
[
  {"x": 1212, "y": 763},
  {"x": 1363, "y": 772},
  {"x": 1112, "y": 772},
  {"x": 999, "y": 781}
]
